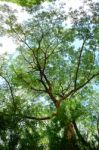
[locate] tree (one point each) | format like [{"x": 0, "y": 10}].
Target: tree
[{"x": 51, "y": 79}]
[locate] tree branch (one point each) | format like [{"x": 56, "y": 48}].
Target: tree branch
[
  {"x": 33, "y": 117},
  {"x": 38, "y": 118},
  {"x": 11, "y": 91},
  {"x": 84, "y": 142},
  {"x": 73, "y": 91},
  {"x": 28, "y": 83},
  {"x": 79, "y": 62}
]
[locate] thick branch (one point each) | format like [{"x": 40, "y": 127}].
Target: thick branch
[
  {"x": 47, "y": 85},
  {"x": 73, "y": 91},
  {"x": 49, "y": 92},
  {"x": 39, "y": 118},
  {"x": 84, "y": 142},
  {"x": 33, "y": 117},
  {"x": 92, "y": 77}
]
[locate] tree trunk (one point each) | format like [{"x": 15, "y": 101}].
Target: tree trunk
[{"x": 68, "y": 140}]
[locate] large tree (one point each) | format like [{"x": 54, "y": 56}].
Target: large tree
[{"x": 51, "y": 78}]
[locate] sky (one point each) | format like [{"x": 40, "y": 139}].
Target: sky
[{"x": 6, "y": 43}]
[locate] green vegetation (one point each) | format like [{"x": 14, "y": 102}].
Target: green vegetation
[
  {"x": 27, "y": 3},
  {"x": 48, "y": 88}
]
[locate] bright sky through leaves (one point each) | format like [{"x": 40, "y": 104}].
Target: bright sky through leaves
[{"x": 7, "y": 45}]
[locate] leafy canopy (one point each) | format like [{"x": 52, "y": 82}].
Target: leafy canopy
[{"x": 48, "y": 98}]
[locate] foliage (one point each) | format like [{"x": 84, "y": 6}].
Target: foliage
[
  {"x": 27, "y": 3},
  {"x": 47, "y": 89}
]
